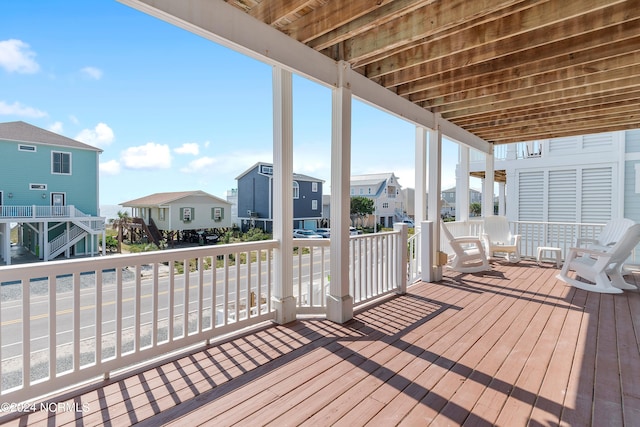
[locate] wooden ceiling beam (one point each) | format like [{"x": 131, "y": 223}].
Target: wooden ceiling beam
[
  {"x": 595, "y": 118},
  {"x": 448, "y": 15},
  {"x": 505, "y": 70},
  {"x": 323, "y": 29},
  {"x": 536, "y": 84},
  {"x": 608, "y": 102},
  {"x": 474, "y": 45},
  {"x": 592, "y": 84},
  {"x": 526, "y": 133},
  {"x": 520, "y": 114},
  {"x": 583, "y": 49},
  {"x": 273, "y": 11}
]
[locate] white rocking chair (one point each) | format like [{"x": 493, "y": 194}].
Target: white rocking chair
[
  {"x": 603, "y": 267},
  {"x": 497, "y": 238},
  {"x": 612, "y": 232},
  {"x": 469, "y": 255}
]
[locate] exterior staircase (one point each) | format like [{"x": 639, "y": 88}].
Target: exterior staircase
[
  {"x": 82, "y": 225},
  {"x": 150, "y": 230}
]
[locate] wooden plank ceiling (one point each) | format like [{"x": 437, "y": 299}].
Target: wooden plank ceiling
[{"x": 505, "y": 70}]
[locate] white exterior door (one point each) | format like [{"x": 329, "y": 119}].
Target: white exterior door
[{"x": 58, "y": 203}]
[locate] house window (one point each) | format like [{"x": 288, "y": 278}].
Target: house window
[
  {"x": 385, "y": 205},
  {"x": 391, "y": 191},
  {"x": 161, "y": 214},
  {"x": 353, "y": 191},
  {"x": 187, "y": 214},
  {"x": 61, "y": 163},
  {"x": 31, "y": 148},
  {"x": 314, "y": 205},
  {"x": 296, "y": 190},
  {"x": 218, "y": 214},
  {"x": 314, "y": 187},
  {"x": 361, "y": 191}
]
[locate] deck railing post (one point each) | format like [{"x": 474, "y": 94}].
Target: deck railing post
[
  {"x": 430, "y": 273},
  {"x": 402, "y": 257}
]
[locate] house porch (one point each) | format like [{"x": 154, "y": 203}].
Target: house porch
[{"x": 513, "y": 346}]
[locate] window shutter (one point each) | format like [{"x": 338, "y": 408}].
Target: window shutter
[
  {"x": 217, "y": 214},
  {"x": 597, "y": 190},
  {"x": 190, "y": 214},
  {"x": 562, "y": 196},
  {"x": 530, "y": 196}
]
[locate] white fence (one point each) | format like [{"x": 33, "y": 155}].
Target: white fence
[{"x": 66, "y": 322}]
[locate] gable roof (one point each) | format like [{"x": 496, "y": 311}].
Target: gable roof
[
  {"x": 24, "y": 132},
  {"x": 296, "y": 176},
  {"x": 373, "y": 179},
  {"x": 160, "y": 199}
]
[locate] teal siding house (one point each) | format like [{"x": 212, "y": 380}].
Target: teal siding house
[{"x": 49, "y": 189}]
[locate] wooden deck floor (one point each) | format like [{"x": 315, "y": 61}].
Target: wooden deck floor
[{"x": 511, "y": 347}]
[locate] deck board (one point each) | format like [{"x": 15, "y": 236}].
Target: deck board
[{"x": 514, "y": 346}]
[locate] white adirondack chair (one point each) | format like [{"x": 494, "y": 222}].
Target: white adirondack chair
[
  {"x": 498, "y": 238},
  {"x": 469, "y": 255},
  {"x": 602, "y": 266}
]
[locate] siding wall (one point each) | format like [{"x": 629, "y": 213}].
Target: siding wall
[{"x": 22, "y": 168}]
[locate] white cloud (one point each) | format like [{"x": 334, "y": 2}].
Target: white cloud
[
  {"x": 92, "y": 72},
  {"x": 16, "y": 57},
  {"x": 148, "y": 156},
  {"x": 100, "y": 136},
  {"x": 199, "y": 164},
  {"x": 188, "y": 148},
  {"x": 56, "y": 127},
  {"x": 17, "y": 109},
  {"x": 112, "y": 167}
]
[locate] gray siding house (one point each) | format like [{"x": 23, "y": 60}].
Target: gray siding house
[{"x": 255, "y": 199}]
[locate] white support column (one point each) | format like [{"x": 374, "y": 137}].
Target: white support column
[
  {"x": 435, "y": 197},
  {"x": 43, "y": 239},
  {"x": 511, "y": 208},
  {"x": 420, "y": 195},
  {"x": 487, "y": 188},
  {"x": 283, "y": 300},
  {"x": 339, "y": 302},
  {"x": 5, "y": 238},
  {"x": 462, "y": 184},
  {"x": 501, "y": 199},
  {"x": 428, "y": 252}
]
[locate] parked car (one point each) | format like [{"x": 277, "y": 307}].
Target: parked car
[
  {"x": 354, "y": 231},
  {"x": 324, "y": 232},
  {"x": 409, "y": 223},
  {"x": 305, "y": 234}
]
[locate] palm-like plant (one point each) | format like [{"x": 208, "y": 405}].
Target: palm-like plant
[{"x": 121, "y": 223}]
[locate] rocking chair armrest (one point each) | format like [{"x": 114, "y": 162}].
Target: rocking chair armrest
[
  {"x": 593, "y": 252},
  {"x": 466, "y": 239},
  {"x": 584, "y": 240}
]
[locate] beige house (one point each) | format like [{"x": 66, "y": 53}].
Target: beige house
[{"x": 180, "y": 211}]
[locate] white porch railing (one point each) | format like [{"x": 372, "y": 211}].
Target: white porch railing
[
  {"x": 533, "y": 234},
  {"x": 41, "y": 212},
  {"x": 66, "y": 322}
]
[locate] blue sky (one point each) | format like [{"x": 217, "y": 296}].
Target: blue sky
[{"x": 171, "y": 110}]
